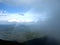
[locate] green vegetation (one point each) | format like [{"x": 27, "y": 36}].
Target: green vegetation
[
  {"x": 31, "y": 35},
  {"x": 20, "y": 36},
  {"x": 6, "y": 32}
]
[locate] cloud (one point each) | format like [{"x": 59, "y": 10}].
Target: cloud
[
  {"x": 4, "y": 16},
  {"x": 51, "y": 7},
  {"x": 38, "y": 7},
  {"x": 37, "y": 3},
  {"x": 17, "y": 2}
]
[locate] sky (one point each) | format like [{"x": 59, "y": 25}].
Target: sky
[
  {"x": 28, "y": 8},
  {"x": 45, "y": 12}
]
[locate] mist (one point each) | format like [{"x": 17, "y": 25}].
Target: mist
[{"x": 47, "y": 14}]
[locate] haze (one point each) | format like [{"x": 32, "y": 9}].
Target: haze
[{"x": 37, "y": 15}]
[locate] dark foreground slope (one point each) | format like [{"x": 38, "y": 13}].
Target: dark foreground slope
[
  {"x": 38, "y": 41},
  {"x": 42, "y": 41},
  {"x": 4, "y": 42}
]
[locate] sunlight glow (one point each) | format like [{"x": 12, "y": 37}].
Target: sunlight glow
[
  {"x": 26, "y": 17},
  {"x": 15, "y": 20},
  {"x": 21, "y": 19}
]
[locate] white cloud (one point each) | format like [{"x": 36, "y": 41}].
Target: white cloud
[
  {"x": 17, "y": 17},
  {"x": 39, "y": 6}
]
